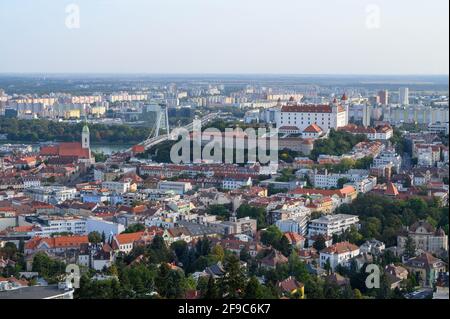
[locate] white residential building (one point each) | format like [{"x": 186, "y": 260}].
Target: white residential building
[
  {"x": 51, "y": 194},
  {"x": 177, "y": 187},
  {"x": 388, "y": 157},
  {"x": 332, "y": 224},
  {"x": 117, "y": 187},
  {"x": 359, "y": 178},
  {"x": 236, "y": 183},
  {"x": 296, "y": 225},
  {"x": 50, "y": 225},
  {"x": 103, "y": 226},
  {"x": 338, "y": 254}
]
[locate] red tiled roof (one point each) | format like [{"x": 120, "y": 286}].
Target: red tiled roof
[
  {"x": 129, "y": 238},
  {"x": 391, "y": 189},
  {"x": 345, "y": 191},
  {"x": 65, "y": 149},
  {"x": 313, "y": 128},
  {"x": 340, "y": 248},
  {"x": 58, "y": 242},
  {"x": 307, "y": 108},
  {"x": 289, "y": 284},
  {"x": 294, "y": 237}
]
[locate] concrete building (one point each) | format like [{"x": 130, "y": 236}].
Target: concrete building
[
  {"x": 51, "y": 194},
  {"x": 338, "y": 254},
  {"x": 404, "y": 96},
  {"x": 332, "y": 224},
  {"x": 177, "y": 187}
]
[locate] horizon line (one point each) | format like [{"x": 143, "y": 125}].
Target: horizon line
[{"x": 225, "y": 73}]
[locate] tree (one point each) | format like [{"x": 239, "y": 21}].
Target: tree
[
  {"x": 233, "y": 282},
  {"x": 284, "y": 246},
  {"x": 212, "y": 290},
  {"x": 203, "y": 247},
  {"x": 218, "y": 252},
  {"x": 357, "y": 294},
  {"x": 134, "y": 228},
  {"x": 258, "y": 213},
  {"x": 220, "y": 211},
  {"x": 47, "y": 267},
  {"x": 410, "y": 247},
  {"x": 94, "y": 237},
  {"x": 271, "y": 235},
  {"x": 327, "y": 266},
  {"x": 252, "y": 289},
  {"x": 320, "y": 243}
]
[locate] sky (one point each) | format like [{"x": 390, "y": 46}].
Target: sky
[{"x": 225, "y": 36}]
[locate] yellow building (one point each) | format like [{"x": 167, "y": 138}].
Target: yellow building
[{"x": 72, "y": 114}]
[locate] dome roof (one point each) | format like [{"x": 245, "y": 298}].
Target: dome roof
[{"x": 85, "y": 129}]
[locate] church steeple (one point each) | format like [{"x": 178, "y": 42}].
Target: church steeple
[{"x": 85, "y": 136}]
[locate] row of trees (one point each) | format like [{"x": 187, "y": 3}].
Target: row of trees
[{"x": 45, "y": 130}]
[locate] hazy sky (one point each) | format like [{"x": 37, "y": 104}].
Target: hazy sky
[{"x": 227, "y": 36}]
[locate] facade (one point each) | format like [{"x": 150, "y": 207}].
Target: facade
[
  {"x": 403, "y": 96},
  {"x": 102, "y": 226},
  {"x": 338, "y": 254},
  {"x": 231, "y": 183},
  {"x": 359, "y": 178},
  {"x": 55, "y": 244},
  {"x": 332, "y": 224},
  {"x": 326, "y": 117},
  {"x": 384, "y": 97},
  {"x": 388, "y": 157},
  {"x": 426, "y": 238},
  {"x": 383, "y": 132},
  {"x": 51, "y": 194},
  {"x": 177, "y": 187},
  {"x": 427, "y": 268},
  {"x": 117, "y": 187}
]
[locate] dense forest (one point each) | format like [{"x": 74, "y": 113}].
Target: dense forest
[{"x": 45, "y": 130}]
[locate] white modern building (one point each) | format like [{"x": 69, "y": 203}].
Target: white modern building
[
  {"x": 117, "y": 187},
  {"x": 404, "y": 96},
  {"x": 388, "y": 157},
  {"x": 48, "y": 225},
  {"x": 338, "y": 254},
  {"x": 360, "y": 179},
  {"x": 51, "y": 194},
  {"x": 103, "y": 226},
  {"x": 177, "y": 187},
  {"x": 297, "y": 225},
  {"x": 332, "y": 224}
]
